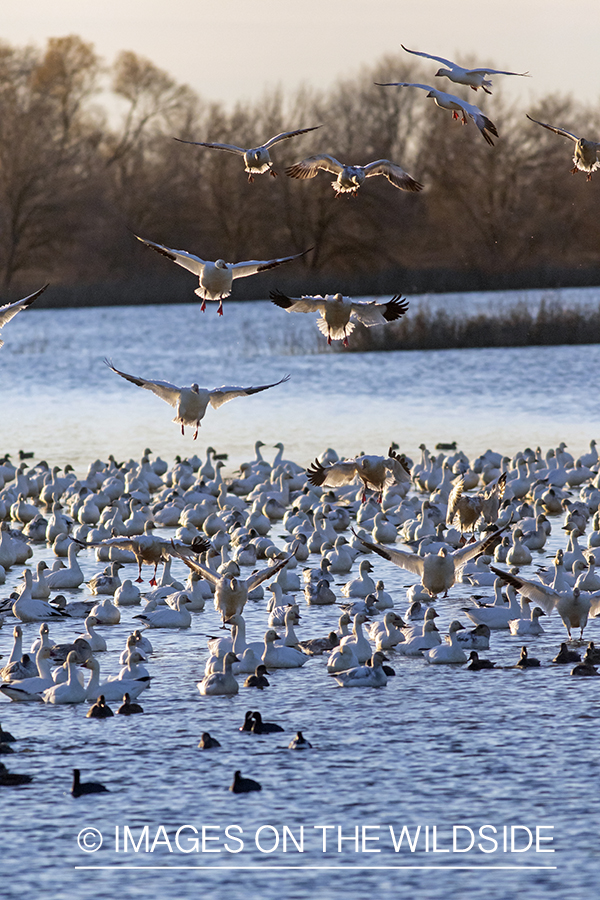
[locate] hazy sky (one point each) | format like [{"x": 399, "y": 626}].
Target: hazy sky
[{"x": 231, "y": 50}]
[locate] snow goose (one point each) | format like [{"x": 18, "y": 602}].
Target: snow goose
[
  {"x": 339, "y": 315},
  {"x": 216, "y": 278},
  {"x": 358, "y": 640},
  {"x": 106, "y": 612},
  {"x": 275, "y": 657},
  {"x": 477, "y": 638},
  {"x": 363, "y": 584},
  {"x": 220, "y": 683},
  {"x": 474, "y": 78},
  {"x": 192, "y": 402},
  {"x": 70, "y": 691},
  {"x": 166, "y": 617},
  {"x": 365, "y": 676},
  {"x": 417, "y": 644},
  {"x": 231, "y": 593},
  {"x": 527, "y": 626},
  {"x": 257, "y": 160},
  {"x": 456, "y": 105},
  {"x": 572, "y": 606},
  {"x": 29, "y": 689},
  {"x": 387, "y": 634},
  {"x": 350, "y": 178},
  {"x": 437, "y": 571},
  {"x": 43, "y": 640},
  {"x": 449, "y": 653},
  {"x": 26, "y": 609},
  {"x": 113, "y": 689},
  {"x": 96, "y": 641},
  {"x": 10, "y": 310},
  {"x": 585, "y": 156}
]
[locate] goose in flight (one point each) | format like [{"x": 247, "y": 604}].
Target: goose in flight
[
  {"x": 192, "y": 402},
  {"x": 474, "y": 78},
  {"x": 350, "y": 178},
  {"x": 257, "y": 160},
  {"x": 10, "y": 310},
  {"x": 456, "y": 105},
  {"x": 231, "y": 593},
  {"x": 437, "y": 571},
  {"x": 375, "y": 472},
  {"x": 339, "y": 314},
  {"x": 585, "y": 156},
  {"x": 216, "y": 278}
]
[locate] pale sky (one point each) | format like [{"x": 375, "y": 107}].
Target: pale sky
[{"x": 232, "y": 50}]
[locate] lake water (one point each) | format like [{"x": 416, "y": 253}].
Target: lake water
[{"x": 436, "y": 747}]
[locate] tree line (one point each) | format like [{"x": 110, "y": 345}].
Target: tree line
[{"x": 87, "y": 156}]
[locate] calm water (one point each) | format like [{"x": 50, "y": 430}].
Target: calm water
[{"x": 435, "y": 747}]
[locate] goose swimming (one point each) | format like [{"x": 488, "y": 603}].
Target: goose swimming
[
  {"x": 474, "y": 78},
  {"x": 257, "y": 160},
  {"x": 351, "y": 178},
  {"x": 456, "y": 105},
  {"x": 192, "y": 402},
  {"x": 216, "y": 278},
  {"x": 339, "y": 315}
]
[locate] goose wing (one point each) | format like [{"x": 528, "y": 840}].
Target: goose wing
[
  {"x": 446, "y": 62},
  {"x": 181, "y": 257},
  {"x": 221, "y": 395},
  {"x": 258, "y": 577},
  {"x": 394, "y": 174},
  {"x": 554, "y": 128},
  {"x": 308, "y": 168},
  {"x": 495, "y": 72},
  {"x": 334, "y": 475},
  {"x": 163, "y": 389},
  {"x": 252, "y": 266},
  {"x": 232, "y": 148},
  {"x": 539, "y": 593},
  {"x": 409, "y": 561},
  {"x": 285, "y": 135},
  {"x": 372, "y": 313},
  {"x": 9, "y": 310},
  {"x": 302, "y": 304}
]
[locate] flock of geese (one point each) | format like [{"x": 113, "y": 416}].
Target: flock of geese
[
  {"x": 301, "y": 532},
  {"x": 333, "y": 513}
]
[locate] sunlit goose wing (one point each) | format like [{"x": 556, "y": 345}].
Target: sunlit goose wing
[
  {"x": 221, "y": 395},
  {"x": 181, "y": 257},
  {"x": 395, "y": 174},
  {"x": 252, "y": 266},
  {"x": 10, "y": 310}
]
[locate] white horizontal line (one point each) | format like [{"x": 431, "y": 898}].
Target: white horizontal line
[{"x": 318, "y": 868}]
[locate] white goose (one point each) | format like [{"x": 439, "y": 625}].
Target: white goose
[
  {"x": 450, "y": 653},
  {"x": 71, "y": 576},
  {"x": 365, "y": 676},
  {"x": 216, "y": 278},
  {"x": 350, "y": 178},
  {"x": 474, "y": 78},
  {"x": 257, "y": 160},
  {"x": 456, "y": 105},
  {"x": 281, "y": 657},
  {"x": 220, "y": 683}
]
